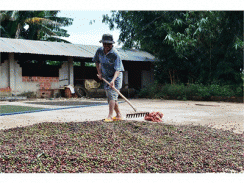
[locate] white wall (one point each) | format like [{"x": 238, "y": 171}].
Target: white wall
[
  {"x": 4, "y": 74},
  {"x": 63, "y": 74},
  {"x": 29, "y": 87},
  {"x": 66, "y": 71},
  {"x": 11, "y": 76}
]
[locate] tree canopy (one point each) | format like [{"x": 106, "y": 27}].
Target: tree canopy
[
  {"x": 191, "y": 46},
  {"x": 33, "y": 25}
]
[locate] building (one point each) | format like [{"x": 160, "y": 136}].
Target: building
[{"x": 23, "y": 68}]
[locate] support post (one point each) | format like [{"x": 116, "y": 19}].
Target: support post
[
  {"x": 12, "y": 78},
  {"x": 70, "y": 71}
]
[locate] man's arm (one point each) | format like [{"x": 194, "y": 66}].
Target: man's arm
[
  {"x": 97, "y": 63},
  {"x": 116, "y": 74},
  {"x": 98, "y": 67}
]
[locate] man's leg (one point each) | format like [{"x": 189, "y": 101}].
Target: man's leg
[
  {"x": 113, "y": 104},
  {"x": 117, "y": 110},
  {"x": 118, "y": 85},
  {"x": 111, "y": 108}
]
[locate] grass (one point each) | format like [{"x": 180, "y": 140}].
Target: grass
[
  {"x": 15, "y": 108},
  {"x": 119, "y": 147}
]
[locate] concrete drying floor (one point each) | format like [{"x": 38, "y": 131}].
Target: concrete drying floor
[{"x": 221, "y": 115}]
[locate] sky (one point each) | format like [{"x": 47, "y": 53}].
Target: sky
[{"x": 82, "y": 32}]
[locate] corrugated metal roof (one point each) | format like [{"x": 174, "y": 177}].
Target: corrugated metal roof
[
  {"x": 89, "y": 48},
  {"x": 135, "y": 55},
  {"x": 42, "y": 47},
  {"x": 65, "y": 49},
  {"x": 128, "y": 55}
]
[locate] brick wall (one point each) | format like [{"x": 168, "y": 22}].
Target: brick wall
[
  {"x": 44, "y": 84},
  {"x": 7, "y": 89}
]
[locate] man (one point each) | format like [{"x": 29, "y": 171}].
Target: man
[{"x": 110, "y": 67}]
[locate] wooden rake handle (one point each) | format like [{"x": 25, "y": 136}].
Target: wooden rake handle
[{"x": 118, "y": 92}]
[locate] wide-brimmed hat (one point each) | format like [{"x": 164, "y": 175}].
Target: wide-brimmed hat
[{"x": 107, "y": 38}]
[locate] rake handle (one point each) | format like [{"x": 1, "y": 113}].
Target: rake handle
[{"x": 118, "y": 92}]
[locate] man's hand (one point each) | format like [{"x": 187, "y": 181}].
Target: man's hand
[
  {"x": 98, "y": 67},
  {"x": 112, "y": 84}
]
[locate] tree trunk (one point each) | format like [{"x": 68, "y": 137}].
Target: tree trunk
[
  {"x": 170, "y": 76},
  {"x": 173, "y": 77},
  {"x": 177, "y": 77},
  {"x": 17, "y": 34}
]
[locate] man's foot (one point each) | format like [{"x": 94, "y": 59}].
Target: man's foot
[
  {"x": 108, "y": 120},
  {"x": 117, "y": 118}
]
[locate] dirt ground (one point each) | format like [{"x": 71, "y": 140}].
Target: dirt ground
[{"x": 219, "y": 115}]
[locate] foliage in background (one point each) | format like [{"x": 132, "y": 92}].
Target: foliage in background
[
  {"x": 87, "y": 64},
  {"x": 33, "y": 25},
  {"x": 192, "y": 46},
  {"x": 185, "y": 92}
]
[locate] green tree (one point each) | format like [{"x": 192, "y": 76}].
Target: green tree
[
  {"x": 141, "y": 29},
  {"x": 215, "y": 42},
  {"x": 194, "y": 46},
  {"x": 34, "y": 25}
]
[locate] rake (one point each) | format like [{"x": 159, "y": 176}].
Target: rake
[{"x": 133, "y": 115}]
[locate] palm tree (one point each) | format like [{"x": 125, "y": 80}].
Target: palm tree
[
  {"x": 33, "y": 25},
  {"x": 6, "y": 23}
]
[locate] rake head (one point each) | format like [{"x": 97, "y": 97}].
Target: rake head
[{"x": 137, "y": 115}]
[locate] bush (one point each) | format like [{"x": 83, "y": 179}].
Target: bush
[
  {"x": 144, "y": 92},
  {"x": 203, "y": 91},
  {"x": 163, "y": 91},
  {"x": 217, "y": 90},
  {"x": 149, "y": 91},
  {"x": 239, "y": 90},
  {"x": 181, "y": 91},
  {"x": 214, "y": 90},
  {"x": 176, "y": 90},
  {"x": 209, "y": 90},
  {"x": 191, "y": 90}
]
